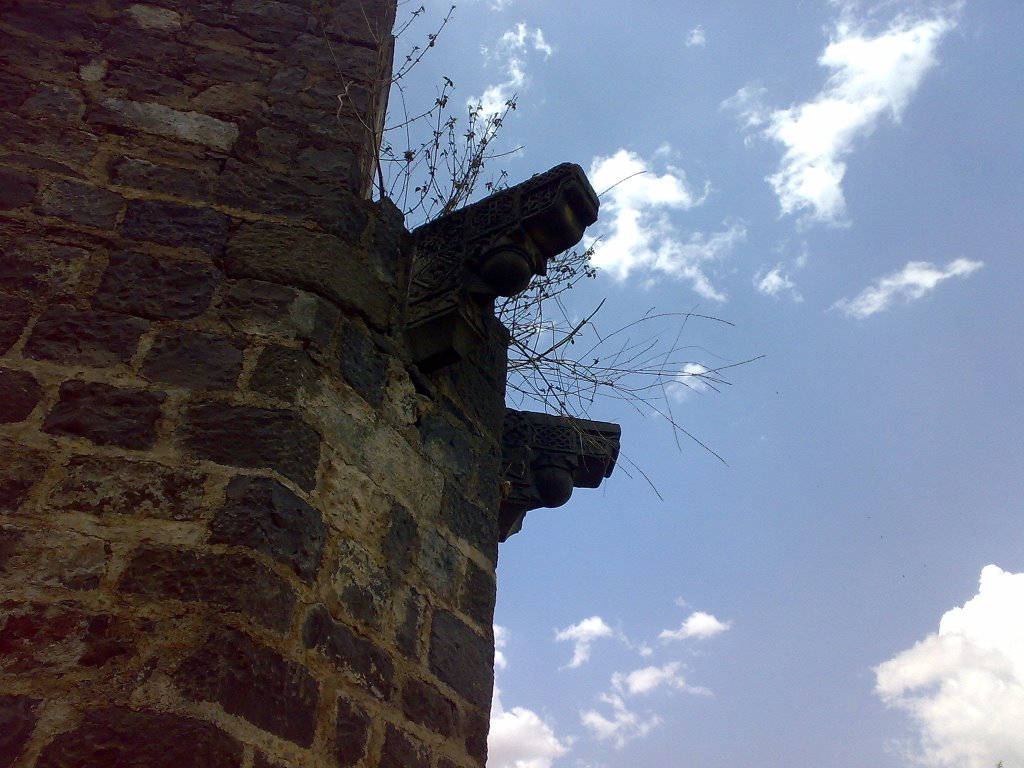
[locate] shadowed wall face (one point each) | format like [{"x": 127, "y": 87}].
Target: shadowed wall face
[{"x": 236, "y": 527}]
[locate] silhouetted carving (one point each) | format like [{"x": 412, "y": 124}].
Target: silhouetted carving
[
  {"x": 546, "y": 456},
  {"x": 491, "y": 248}
]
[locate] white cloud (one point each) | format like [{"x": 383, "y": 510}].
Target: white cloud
[
  {"x": 698, "y": 625},
  {"x": 622, "y": 726},
  {"x": 692, "y": 378},
  {"x": 776, "y": 281},
  {"x": 914, "y": 281},
  {"x": 872, "y": 76},
  {"x": 696, "y": 37},
  {"x": 511, "y": 50},
  {"x": 500, "y": 641},
  {"x": 964, "y": 685},
  {"x": 520, "y": 738},
  {"x": 635, "y": 231},
  {"x": 583, "y": 634},
  {"x": 647, "y": 679}
]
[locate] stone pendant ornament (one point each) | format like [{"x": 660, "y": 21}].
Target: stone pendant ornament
[
  {"x": 545, "y": 457},
  {"x": 491, "y": 248}
]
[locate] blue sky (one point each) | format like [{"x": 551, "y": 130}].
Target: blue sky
[{"x": 843, "y": 182}]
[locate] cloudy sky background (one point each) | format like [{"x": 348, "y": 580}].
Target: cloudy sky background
[{"x": 843, "y": 182}]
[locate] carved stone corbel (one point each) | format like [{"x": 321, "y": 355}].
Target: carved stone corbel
[
  {"x": 545, "y": 457},
  {"x": 491, "y": 248}
]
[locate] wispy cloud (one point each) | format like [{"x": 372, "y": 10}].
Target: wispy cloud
[
  {"x": 915, "y": 280},
  {"x": 510, "y": 52},
  {"x": 689, "y": 380},
  {"x": 647, "y": 679},
  {"x": 698, "y": 625},
  {"x": 621, "y": 725},
  {"x": 776, "y": 281},
  {"x": 636, "y": 231},
  {"x": 964, "y": 685},
  {"x": 583, "y": 635},
  {"x": 873, "y": 76},
  {"x": 696, "y": 37}
]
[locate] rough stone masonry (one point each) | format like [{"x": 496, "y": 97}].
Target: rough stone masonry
[{"x": 242, "y": 523}]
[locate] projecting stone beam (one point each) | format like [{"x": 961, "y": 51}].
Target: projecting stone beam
[
  {"x": 545, "y": 457},
  {"x": 491, "y": 248}
]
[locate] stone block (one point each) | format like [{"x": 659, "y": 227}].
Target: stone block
[
  {"x": 462, "y": 659},
  {"x": 399, "y": 541},
  {"x": 141, "y": 82},
  {"x": 115, "y": 736},
  {"x": 157, "y": 288},
  {"x": 228, "y": 582},
  {"x": 221, "y": 67},
  {"x": 18, "y": 716},
  {"x": 253, "y": 682},
  {"x": 478, "y": 594},
  {"x": 439, "y": 563},
  {"x": 268, "y": 309},
  {"x": 176, "y": 225},
  {"x": 19, "y": 395},
  {"x": 54, "y": 103},
  {"x": 60, "y": 637},
  {"x": 362, "y": 659},
  {"x": 194, "y": 360},
  {"x": 363, "y": 366},
  {"x": 352, "y": 731},
  {"x": 33, "y": 267},
  {"x": 52, "y": 558},
  {"x": 407, "y": 636},
  {"x": 106, "y": 415},
  {"x": 114, "y": 486},
  {"x": 91, "y": 337},
  {"x": 242, "y": 436},
  {"x": 14, "y": 314},
  {"x": 20, "y": 469},
  {"x": 471, "y": 522},
  {"x": 164, "y": 121},
  {"x": 361, "y": 582},
  {"x": 424, "y": 704},
  {"x": 401, "y": 750},
  {"x": 263, "y": 515},
  {"x": 284, "y": 372},
  {"x": 152, "y": 17},
  {"x": 80, "y": 203},
  {"x": 16, "y": 189},
  {"x": 154, "y": 177},
  {"x": 316, "y": 262}
]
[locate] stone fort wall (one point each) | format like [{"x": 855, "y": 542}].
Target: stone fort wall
[{"x": 237, "y": 526}]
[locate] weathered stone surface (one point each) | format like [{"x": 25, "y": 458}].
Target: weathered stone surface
[
  {"x": 462, "y": 658},
  {"x": 13, "y": 318},
  {"x": 19, "y": 394},
  {"x": 164, "y": 121},
  {"x": 400, "y": 541},
  {"x": 113, "y": 486},
  {"x": 195, "y": 360},
  {"x": 230, "y": 582},
  {"x": 470, "y": 522},
  {"x": 151, "y": 17},
  {"x": 253, "y": 682},
  {"x": 284, "y": 372},
  {"x": 125, "y": 738},
  {"x": 268, "y": 309},
  {"x": 177, "y": 225},
  {"x": 475, "y": 726},
  {"x": 241, "y": 436},
  {"x": 478, "y": 594},
  {"x": 56, "y": 103},
  {"x": 161, "y": 289},
  {"x": 401, "y": 750},
  {"x": 439, "y": 563},
  {"x": 362, "y": 364},
  {"x": 220, "y": 67},
  {"x": 52, "y": 558},
  {"x": 80, "y": 203},
  {"x": 20, "y": 469},
  {"x": 424, "y": 704},
  {"x": 231, "y": 100},
  {"x": 351, "y": 733},
  {"x": 106, "y": 415},
  {"x": 16, "y": 189},
  {"x": 60, "y": 637},
  {"x": 346, "y": 650},
  {"x": 140, "y": 82},
  {"x": 320, "y": 263},
  {"x": 91, "y": 337},
  {"x": 17, "y": 720},
  {"x": 362, "y": 583},
  {"x": 33, "y": 267},
  {"x": 263, "y": 515},
  {"x": 143, "y": 174}
]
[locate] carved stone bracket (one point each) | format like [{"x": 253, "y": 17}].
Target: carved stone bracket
[
  {"x": 491, "y": 248},
  {"x": 545, "y": 457}
]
